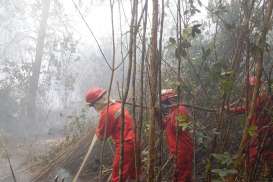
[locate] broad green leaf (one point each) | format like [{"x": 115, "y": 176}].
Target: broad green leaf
[
  {"x": 183, "y": 121},
  {"x": 182, "y": 118},
  {"x": 251, "y": 130}
]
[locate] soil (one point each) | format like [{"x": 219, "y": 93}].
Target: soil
[{"x": 28, "y": 159}]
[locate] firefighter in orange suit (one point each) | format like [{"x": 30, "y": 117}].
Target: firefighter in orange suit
[
  {"x": 109, "y": 125},
  {"x": 179, "y": 140},
  {"x": 261, "y": 123}
]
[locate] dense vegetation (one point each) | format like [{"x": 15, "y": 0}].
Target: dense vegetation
[{"x": 205, "y": 51}]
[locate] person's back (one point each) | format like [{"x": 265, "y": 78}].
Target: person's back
[
  {"x": 109, "y": 125},
  {"x": 112, "y": 113},
  {"x": 184, "y": 136},
  {"x": 179, "y": 139}
]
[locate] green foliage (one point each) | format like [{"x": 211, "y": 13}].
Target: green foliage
[
  {"x": 146, "y": 126},
  {"x": 223, "y": 159},
  {"x": 196, "y": 30},
  {"x": 77, "y": 124},
  {"x": 225, "y": 86},
  {"x": 201, "y": 138},
  {"x": 188, "y": 34},
  {"x": 183, "y": 121},
  {"x": 224, "y": 172},
  {"x": 220, "y": 9},
  {"x": 172, "y": 41},
  {"x": 205, "y": 53},
  {"x": 252, "y": 130},
  {"x": 226, "y": 82},
  {"x": 224, "y": 162}
]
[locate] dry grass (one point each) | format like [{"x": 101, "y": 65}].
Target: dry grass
[{"x": 69, "y": 155}]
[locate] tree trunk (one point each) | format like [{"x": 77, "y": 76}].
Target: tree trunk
[
  {"x": 258, "y": 58},
  {"x": 140, "y": 120},
  {"x": 36, "y": 67},
  {"x": 153, "y": 90},
  {"x": 125, "y": 94}
]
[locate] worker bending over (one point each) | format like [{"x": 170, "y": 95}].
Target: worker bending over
[{"x": 109, "y": 125}]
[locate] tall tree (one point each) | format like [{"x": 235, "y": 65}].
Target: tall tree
[
  {"x": 36, "y": 67},
  {"x": 153, "y": 62}
]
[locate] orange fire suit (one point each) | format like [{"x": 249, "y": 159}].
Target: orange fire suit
[
  {"x": 262, "y": 123},
  {"x": 182, "y": 148},
  {"x": 110, "y": 126}
]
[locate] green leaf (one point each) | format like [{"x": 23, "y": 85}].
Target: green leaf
[
  {"x": 226, "y": 86},
  {"x": 252, "y": 130},
  {"x": 184, "y": 126},
  {"x": 183, "y": 121},
  {"x": 196, "y": 29},
  {"x": 232, "y": 171},
  {"x": 172, "y": 40},
  {"x": 224, "y": 159},
  {"x": 221, "y": 172},
  {"x": 187, "y": 32},
  {"x": 227, "y": 73},
  {"x": 182, "y": 118}
]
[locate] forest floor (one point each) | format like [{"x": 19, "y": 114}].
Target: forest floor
[
  {"x": 41, "y": 158},
  {"x": 23, "y": 153},
  {"x": 18, "y": 152}
]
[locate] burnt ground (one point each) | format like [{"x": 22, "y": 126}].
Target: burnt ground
[
  {"x": 20, "y": 150},
  {"x": 30, "y": 157}
]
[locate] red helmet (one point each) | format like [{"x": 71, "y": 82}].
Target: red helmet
[
  {"x": 167, "y": 94},
  {"x": 94, "y": 94}
]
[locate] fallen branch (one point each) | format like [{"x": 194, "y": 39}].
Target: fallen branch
[{"x": 8, "y": 158}]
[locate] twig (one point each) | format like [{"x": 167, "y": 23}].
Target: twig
[
  {"x": 93, "y": 35},
  {"x": 185, "y": 105},
  {"x": 125, "y": 94},
  {"x": 163, "y": 167},
  {"x": 11, "y": 169},
  {"x": 8, "y": 158}
]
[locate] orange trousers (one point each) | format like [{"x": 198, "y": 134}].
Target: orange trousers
[{"x": 128, "y": 170}]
